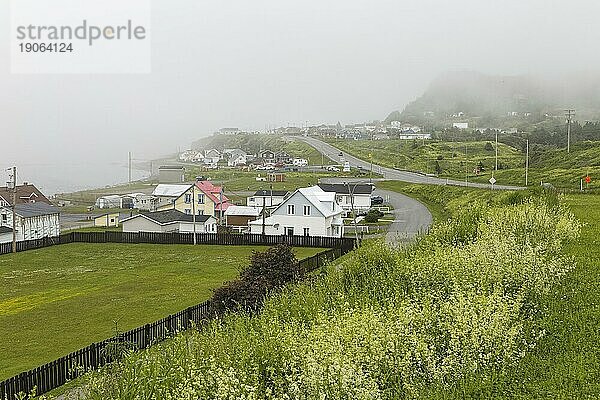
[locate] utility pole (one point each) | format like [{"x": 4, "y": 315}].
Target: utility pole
[
  {"x": 496, "y": 152},
  {"x": 351, "y": 193},
  {"x": 263, "y": 214},
  {"x": 527, "y": 165},
  {"x": 14, "y": 210},
  {"x": 569, "y": 114},
  {"x": 194, "y": 210},
  {"x": 371, "y": 171}
]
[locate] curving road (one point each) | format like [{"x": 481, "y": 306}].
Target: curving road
[{"x": 389, "y": 173}]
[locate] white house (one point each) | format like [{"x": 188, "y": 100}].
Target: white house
[
  {"x": 347, "y": 194},
  {"x": 461, "y": 125},
  {"x": 212, "y": 157},
  {"x": 169, "y": 221},
  {"x": 267, "y": 198},
  {"x": 308, "y": 212},
  {"x": 34, "y": 220}
]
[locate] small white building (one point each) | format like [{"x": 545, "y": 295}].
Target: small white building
[
  {"x": 307, "y": 212},
  {"x": 109, "y": 201},
  {"x": 33, "y": 221},
  {"x": 300, "y": 162},
  {"x": 461, "y": 125},
  {"x": 169, "y": 221},
  {"x": 267, "y": 198},
  {"x": 346, "y": 195}
]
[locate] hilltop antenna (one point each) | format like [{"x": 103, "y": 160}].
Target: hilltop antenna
[{"x": 569, "y": 114}]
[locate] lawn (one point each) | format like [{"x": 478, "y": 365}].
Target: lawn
[
  {"x": 457, "y": 159},
  {"x": 566, "y": 363},
  {"x": 59, "y": 299}
]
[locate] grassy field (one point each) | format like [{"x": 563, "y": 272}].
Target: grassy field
[
  {"x": 59, "y": 299},
  {"x": 455, "y": 159},
  {"x": 565, "y": 364},
  {"x": 442, "y": 319}
]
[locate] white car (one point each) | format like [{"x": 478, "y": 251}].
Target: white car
[{"x": 333, "y": 168}]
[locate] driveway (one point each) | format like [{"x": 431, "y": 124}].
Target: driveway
[{"x": 411, "y": 217}]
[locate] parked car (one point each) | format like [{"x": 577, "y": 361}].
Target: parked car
[
  {"x": 376, "y": 200},
  {"x": 333, "y": 168}
]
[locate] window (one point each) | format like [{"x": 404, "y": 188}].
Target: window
[
  {"x": 291, "y": 209},
  {"x": 4, "y": 217},
  {"x": 188, "y": 211},
  {"x": 200, "y": 198},
  {"x": 306, "y": 231},
  {"x": 306, "y": 210},
  {"x": 188, "y": 198}
]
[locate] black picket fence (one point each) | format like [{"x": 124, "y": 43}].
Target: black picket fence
[
  {"x": 223, "y": 239},
  {"x": 56, "y": 373}
]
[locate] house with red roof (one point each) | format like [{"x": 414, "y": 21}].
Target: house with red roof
[{"x": 212, "y": 199}]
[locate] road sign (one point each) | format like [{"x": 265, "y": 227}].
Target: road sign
[
  {"x": 588, "y": 179},
  {"x": 492, "y": 180}
]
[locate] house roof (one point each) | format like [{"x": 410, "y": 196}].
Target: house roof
[
  {"x": 25, "y": 194},
  {"x": 242, "y": 211},
  {"x": 166, "y": 190},
  {"x": 35, "y": 210},
  {"x": 214, "y": 193},
  {"x": 321, "y": 200},
  {"x": 340, "y": 188},
  {"x": 169, "y": 216},
  {"x": 5, "y": 229},
  {"x": 264, "y": 193}
]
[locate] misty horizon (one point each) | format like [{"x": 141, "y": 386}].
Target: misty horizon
[{"x": 269, "y": 64}]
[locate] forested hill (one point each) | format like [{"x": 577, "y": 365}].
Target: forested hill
[{"x": 495, "y": 98}]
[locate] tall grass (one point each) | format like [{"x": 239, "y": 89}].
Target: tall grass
[{"x": 447, "y": 315}]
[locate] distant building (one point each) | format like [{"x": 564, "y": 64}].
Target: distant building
[
  {"x": 33, "y": 220},
  {"x": 267, "y": 156},
  {"x": 107, "y": 220},
  {"x": 239, "y": 216},
  {"x": 109, "y": 201},
  {"x": 169, "y": 221},
  {"x": 267, "y": 198},
  {"x": 347, "y": 195},
  {"x": 461, "y": 125},
  {"x": 276, "y": 177},
  {"x": 229, "y": 131},
  {"x": 171, "y": 174}
]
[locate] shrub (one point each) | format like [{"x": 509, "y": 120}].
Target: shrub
[
  {"x": 373, "y": 216},
  {"x": 267, "y": 271}
]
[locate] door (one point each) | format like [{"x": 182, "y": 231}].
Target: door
[{"x": 289, "y": 231}]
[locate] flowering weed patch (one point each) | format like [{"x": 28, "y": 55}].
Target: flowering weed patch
[{"x": 454, "y": 308}]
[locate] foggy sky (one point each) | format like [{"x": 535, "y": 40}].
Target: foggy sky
[{"x": 253, "y": 63}]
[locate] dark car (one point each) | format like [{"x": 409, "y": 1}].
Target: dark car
[{"x": 376, "y": 200}]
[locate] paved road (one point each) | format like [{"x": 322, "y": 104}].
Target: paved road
[
  {"x": 411, "y": 217},
  {"x": 389, "y": 173}
]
